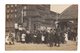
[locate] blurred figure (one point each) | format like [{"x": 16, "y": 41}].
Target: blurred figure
[
  {"x": 32, "y": 36},
  {"x": 16, "y": 31},
  {"x": 7, "y": 38},
  {"x": 10, "y": 39},
  {"x": 20, "y": 32},
  {"x": 39, "y": 36},
  {"x": 57, "y": 38},
  {"x": 62, "y": 37},
  {"x": 74, "y": 34},
  {"x": 27, "y": 37},
  {"x": 35, "y": 37},
  {"x": 66, "y": 37},
  {"x": 23, "y": 36},
  {"x": 43, "y": 38},
  {"x": 51, "y": 38},
  {"x": 76, "y": 40}
]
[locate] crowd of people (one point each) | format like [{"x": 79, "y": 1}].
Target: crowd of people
[{"x": 53, "y": 37}]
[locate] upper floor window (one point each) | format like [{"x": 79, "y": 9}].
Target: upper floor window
[
  {"x": 11, "y": 10},
  {"x": 11, "y": 5},
  {"x": 7, "y": 6},
  {"x": 25, "y": 7},
  {"x": 15, "y": 5},
  {"x": 7, "y": 11},
  {"x": 7, "y": 16}
]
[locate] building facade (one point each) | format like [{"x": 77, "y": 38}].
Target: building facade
[{"x": 32, "y": 17}]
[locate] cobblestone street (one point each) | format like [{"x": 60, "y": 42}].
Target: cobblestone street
[{"x": 70, "y": 45}]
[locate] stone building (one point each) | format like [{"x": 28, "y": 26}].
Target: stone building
[
  {"x": 10, "y": 15},
  {"x": 32, "y": 17}
]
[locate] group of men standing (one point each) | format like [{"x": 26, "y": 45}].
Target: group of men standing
[{"x": 52, "y": 37}]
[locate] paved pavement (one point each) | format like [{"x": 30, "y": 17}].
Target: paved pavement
[{"x": 70, "y": 45}]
